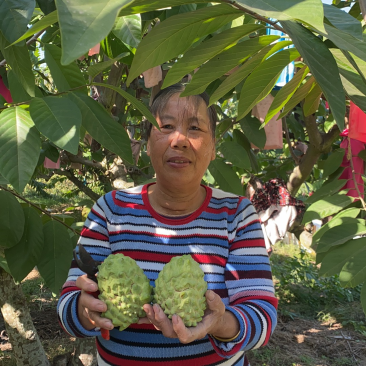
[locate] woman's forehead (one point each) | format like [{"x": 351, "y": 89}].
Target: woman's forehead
[{"x": 192, "y": 107}]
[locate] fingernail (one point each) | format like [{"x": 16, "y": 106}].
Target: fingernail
[
  {"x": 101, "y": 308},
  {"x": 210, "y": 295},
  {"x": 175, "y": 319},
  {"x": 109, "y": 326}
]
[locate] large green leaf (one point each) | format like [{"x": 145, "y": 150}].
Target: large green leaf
[
  {"x": 334, "y": 261},
  {"x": 199, "y": 81},
  {"x": 327, "y": 190},
  {"x": 225, "y": 177},
  {"x": 214, "y": 46},
  {"x": 326, "y": 207},
  {"x": 355, "y": 87},
  {"x": 322, "y": 65},
  {"x": 24, "y": 256},
  {"x": 262, "y": 80},
  {"x": 135, "y": 102},
  {"x": 128, "y": 29},
  {"x": 59, "y": 119},
  {"x": 362, "y": 155},
  {"x": 18, "y": 93},
  {"x": 43, "y": 23},
  {"x": 3, "y": 181},
  {"x": 91, "y": 23},
  {"x": 176, "y": 34},
  {"x": 102, "y": 127},
  {"x": 285, "y": 93},
  {"x": 55, "y": 261},
  {"x": 17, "y": 57},
  {"x": 308, "y": 11},
  {"x": 143, "y": 6},
  {"x": 14, "y": 17},
  {"x": 333, "y": 162},
  {"x": 342, "y": 217},
  {"x": 343, "y": 21},
  {"x": 298, "y": 96},
  {"x": 236, "y": 154},
  {"x": 339, "y": 235},
  {"x": 11, "y": 220},
  {"x": 353, "y": 272},
  {"x": 312, "y": 100},
  {"x": 19, "y": 147},
  {"x": 345, "y": 41},
  {"x": 65, "y": 77},
  {"x": 251, "y": 128}
]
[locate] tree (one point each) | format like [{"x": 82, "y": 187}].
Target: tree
[{"x": 90, "y": 108}]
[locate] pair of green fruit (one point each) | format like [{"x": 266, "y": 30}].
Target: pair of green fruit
[{"x": 179, "y": 289}]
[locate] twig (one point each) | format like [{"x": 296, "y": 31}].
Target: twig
[
  {"x": 39, "y": 208},
  {"x": 350, "y": 348},
  {"x": 285, "y": 128},
  {"x": 31, "y": 40},
  {"x": 255, "y": 15},
  {"x": 354, "y": 174},
  {"x": 227, "y": 129}
]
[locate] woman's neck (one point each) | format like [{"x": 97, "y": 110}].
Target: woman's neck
[{"x": 175, "y": 203}]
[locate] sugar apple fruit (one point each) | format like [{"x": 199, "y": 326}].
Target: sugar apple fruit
[
  {"x": 180, "y": 289},
  {"x": 124, "y": 288}
]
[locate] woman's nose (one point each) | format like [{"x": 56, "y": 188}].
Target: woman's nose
[{"x": 179, "y": 139}]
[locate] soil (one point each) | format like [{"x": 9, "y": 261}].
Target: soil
[{"x": 297, "y": 342}]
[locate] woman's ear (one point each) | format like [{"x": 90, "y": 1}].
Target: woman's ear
[{"x": 213, "y": 155}]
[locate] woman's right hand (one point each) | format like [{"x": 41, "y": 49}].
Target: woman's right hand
[{"x": 89, "y": 307}]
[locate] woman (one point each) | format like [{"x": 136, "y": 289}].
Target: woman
[{"x": 175, "y": 216}]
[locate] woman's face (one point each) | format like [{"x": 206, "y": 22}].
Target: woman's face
[{"x": 182, "y": 150}]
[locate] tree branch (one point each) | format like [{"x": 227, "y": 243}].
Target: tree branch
[
  {"x": 68, "y": 174},
  {"x": 253, "y": 14},
  {"x": 315, "y": 137},
  {"x": 285, "y": 128},
  {"x": 31, "y": 40},
  {"x": 79, "y": 159},
  {"x": 39, "y": 208}
]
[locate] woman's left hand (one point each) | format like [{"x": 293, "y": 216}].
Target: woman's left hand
[{"x": 212, "y": 321}]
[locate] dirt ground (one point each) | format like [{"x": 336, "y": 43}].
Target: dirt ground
[{"x": 298, "y": 342}]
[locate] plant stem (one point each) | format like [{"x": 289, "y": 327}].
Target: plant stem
[
  {"x": 39, "y": 208},
  {"x": 255, "y": 15},
  {"x": 285, "y": 128}
]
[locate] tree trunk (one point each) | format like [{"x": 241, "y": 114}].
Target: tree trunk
[
  {"x": 85, "y": 353},
  {"x": 27, "y": 347}
]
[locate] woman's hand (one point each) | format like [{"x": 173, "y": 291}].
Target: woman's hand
[
  {"x": 89, "y": 307},
  {"x": 215, "y": 321}
]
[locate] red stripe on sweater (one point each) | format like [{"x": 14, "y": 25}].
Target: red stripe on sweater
[
  {"x": 272, "y": 300},
  {"x": 120, "y": 361},
  {"x": 87, "y": 233},
  {"x": 69, "y": 289},
  {"x": 165, "y": 258},
  {"x": 119, "y": 203},
  {"x": 251, "y": 243}
]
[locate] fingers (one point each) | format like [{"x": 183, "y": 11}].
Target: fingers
[
  {"x": 89, "y": 307},
  {"x": 161, "y": 322}
]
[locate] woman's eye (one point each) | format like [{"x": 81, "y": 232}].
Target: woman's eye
[
  {"x": 195, "y": 128},
  {"x": 169, "y": 127}
]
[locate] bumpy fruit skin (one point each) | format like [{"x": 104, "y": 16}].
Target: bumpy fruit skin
[
  {"x": 124, "y": 288},
  {"x": 180, "y": 289}
]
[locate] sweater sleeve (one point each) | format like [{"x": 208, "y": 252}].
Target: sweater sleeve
[
  {"x": 95, "y": 239},
  {"x": 248, "y": 279}
]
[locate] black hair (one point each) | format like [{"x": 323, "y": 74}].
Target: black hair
[{"x": 161, "y": 99}]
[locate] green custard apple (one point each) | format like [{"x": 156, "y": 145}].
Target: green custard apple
[
  {"x": 125, "y": 288},
  {"x": 180, "y": 289}
]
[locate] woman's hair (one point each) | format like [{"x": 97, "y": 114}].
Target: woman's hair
[{"x": 161, "y": 99}]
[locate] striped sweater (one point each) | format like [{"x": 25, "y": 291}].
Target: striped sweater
[{"x": 224, "y": 236}]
